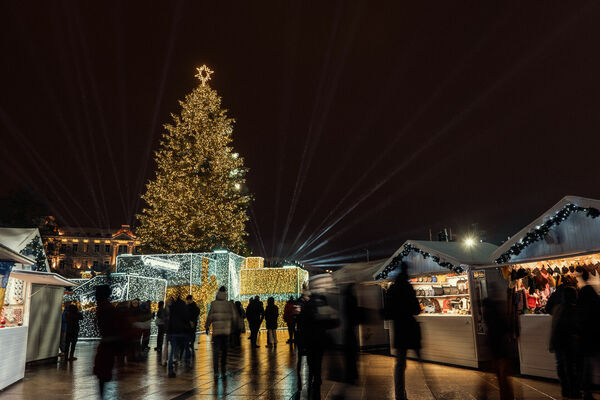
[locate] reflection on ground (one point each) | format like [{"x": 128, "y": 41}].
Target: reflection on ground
[{"x": 262, "y": 373}]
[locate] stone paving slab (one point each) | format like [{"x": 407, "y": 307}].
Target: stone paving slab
[{"x": 261, "y": 374}]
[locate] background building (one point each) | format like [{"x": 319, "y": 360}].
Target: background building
[{"x": 77, "y": 252}]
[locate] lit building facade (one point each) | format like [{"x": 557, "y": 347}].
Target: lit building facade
[{"x": 77, "y": 252}]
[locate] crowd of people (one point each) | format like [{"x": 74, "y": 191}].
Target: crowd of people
[{"x": 324, "y": 321}]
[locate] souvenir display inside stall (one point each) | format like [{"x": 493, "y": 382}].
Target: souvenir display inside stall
[
  {"x": 443, "y": 294},
  {"x": 14, "y": 304},
  {"x": 533, "y": 283}
]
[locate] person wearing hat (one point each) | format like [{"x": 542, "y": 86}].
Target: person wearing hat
[{"x": 223, "y": 317}]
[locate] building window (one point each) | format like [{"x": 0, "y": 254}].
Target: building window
[
  {"x": 50, "y": 247},
  {"x": 95, "y": 265},
  {"x": 85, "y": 247},
  {"x": 96, "y": 248},
  {"x": 107, "y": 248},
  {"x": 63, "y": 248},
  {"x": 105, "y": 265},
  {"x": 84, "y": 264},
  {"x": 122, "y": 248},
  {"x": 75, "y": 247},
  {"x": 61, "y": 264}
]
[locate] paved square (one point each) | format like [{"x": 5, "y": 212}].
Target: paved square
[{"x": 262, "y": 373}]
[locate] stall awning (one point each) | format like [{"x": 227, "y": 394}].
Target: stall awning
[
  {"x": 7, "y": 254},
  {"x": 44, "y": 278}
]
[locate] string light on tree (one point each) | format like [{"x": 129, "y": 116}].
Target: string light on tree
[{"x": 197, "y": 200}]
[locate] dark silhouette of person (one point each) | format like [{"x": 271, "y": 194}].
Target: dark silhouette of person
[
  {"x": 401, "y": 307},
  {"x": 299, "y": 336},
  {"x": 178, "y": 331},
  {"x": 317, "y": 320},
  {"x": 271, "y": 317},
  {"x": 255, "y": 314},
  {"x": 194, "y": 313},
  {"x": 72, "y": 317},
  {"x": 564, "y": 342},
  {"x": 499, "y": 344},
  {"x": 110, "y": 337},
  {"x": 161, "y": 321},
  {"x": 588, "y": 315},
  {"x": 289, "y": 318},
  {"x": 241, "y": 327}
]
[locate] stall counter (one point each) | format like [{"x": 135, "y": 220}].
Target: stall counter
[
  {"x": 534, "y": 356},
  {"x": 13, "y": 342},
  {"x": 447, "y": 339}
]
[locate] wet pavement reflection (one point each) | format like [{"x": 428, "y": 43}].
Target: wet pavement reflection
[{"x": 262, "y": 373}]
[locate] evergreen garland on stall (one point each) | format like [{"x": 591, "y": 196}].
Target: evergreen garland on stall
[
  {"x": 396, "y": 261},
  {"x": 540, "y": 232}
]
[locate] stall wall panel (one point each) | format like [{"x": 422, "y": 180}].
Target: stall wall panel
[
  {"x": 44, "y": 322},
  {"x": 448, "y": 339},
  {"x": 13, "y": 343},
  {"x": 534, "y": 357}
]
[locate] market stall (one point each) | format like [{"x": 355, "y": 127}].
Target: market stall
[
  {"x": 13, "y": 339},
  {"x": 559, "y": 247},
  {"x": 449, "y": 294}
]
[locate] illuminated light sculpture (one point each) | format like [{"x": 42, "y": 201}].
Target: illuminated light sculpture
[
  {"x": 201, "y": 274},
  {"x": 124, "y": 287}
]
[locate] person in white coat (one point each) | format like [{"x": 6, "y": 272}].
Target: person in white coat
[{"x": 223, "y": 317}]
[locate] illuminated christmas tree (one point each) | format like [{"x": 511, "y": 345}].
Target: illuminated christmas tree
[{"x": 197, "y": 200}]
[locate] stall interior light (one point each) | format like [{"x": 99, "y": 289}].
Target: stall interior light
[{"x": 220, "y": 251}]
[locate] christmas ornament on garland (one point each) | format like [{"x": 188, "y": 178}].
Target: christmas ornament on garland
[
  {"x": 541, "y": 231},
  {"x": 396, "y": 261}
]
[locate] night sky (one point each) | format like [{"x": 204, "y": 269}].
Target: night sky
[{"x": 363, "y": 123}]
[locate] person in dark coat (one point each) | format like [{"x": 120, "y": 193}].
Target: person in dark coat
[
  {"x": 289, "y": 318},
  {"x": 110, "y": 337},
  {"x": 316, "y": 321},
  {"x": 72, "y": 332},
  {"x": 161, "y": 325},
  {"x": 193, "y": 313},
  {"x": 178, "y": 331},
  {"x": 564, "y": 342},
  {"x": 271, "y": 317},
  {"x": 255, "y": 314},
  {"x": 499, "y": 344},
  {"x": 588, "y": 316},
  {"x": 401, "y": 307}
]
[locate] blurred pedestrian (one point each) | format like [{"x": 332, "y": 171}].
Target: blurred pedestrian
[
  {"x": 401, "y": 307},
  {"x": 63, "y": 329},
  {"x": 72, "y": 332},
  {"x": 178, "y": 332},
  {"x": 299, "y": 342},
  {"x": 241, "y": 326},
  {"x": 271, "y": 317},
  {"x": 289, "y": 318},
  {"x": 564, "y": 342},
  {"x": 145, "y": 324},
  {"x": 255, "y": 314},
  {"x": 318, "y": 318},
  {"x": 110, "y": 337},
  {"x": 193, "y": 313},
  {"x": 223, "y": 317},
  {"x": 588, "y": 315},
  {"x": 499, "y": 344},
  {"x": 160, "y": 322}
]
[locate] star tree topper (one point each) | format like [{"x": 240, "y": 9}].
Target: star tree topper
[{"x": 204, "y": 74}]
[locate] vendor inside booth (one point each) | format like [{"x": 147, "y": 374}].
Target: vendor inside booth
[
  {"x": 559, "y": 248},
  {"x": 449, "y": 296}
]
